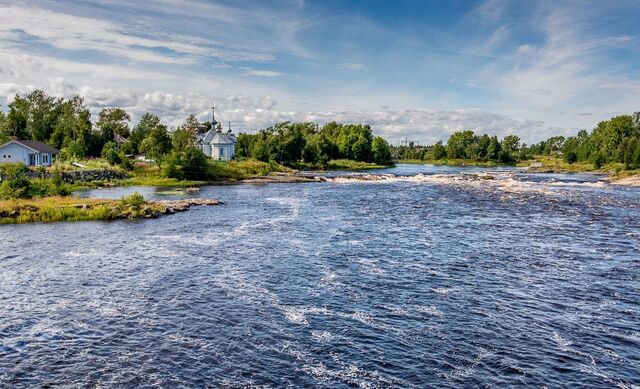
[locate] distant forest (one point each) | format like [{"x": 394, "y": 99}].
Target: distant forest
[{"x": 613, "y": 140}]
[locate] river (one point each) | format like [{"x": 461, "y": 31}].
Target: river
[{"x": 417, "y": 276}]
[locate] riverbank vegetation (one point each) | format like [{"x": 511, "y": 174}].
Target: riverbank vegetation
[
  {"x": 613, "y": 145},
  {"x": 112, "y": 142},
  {"x": 307, "y": 145},
  {"x": 60, "y": 208}
]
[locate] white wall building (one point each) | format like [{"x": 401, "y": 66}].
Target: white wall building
[
  {"x": 28, "y": 152},
  {"x": 217, "y": 144}
]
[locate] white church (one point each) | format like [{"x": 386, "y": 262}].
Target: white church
[{"x": 215, "y": 143}]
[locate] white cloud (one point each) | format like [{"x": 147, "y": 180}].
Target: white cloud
[
  {"x": 262, "y": 73},
  {"x": 81, "y": 33}
]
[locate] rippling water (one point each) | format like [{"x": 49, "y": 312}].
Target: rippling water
[{"x": 421, "y": 276}]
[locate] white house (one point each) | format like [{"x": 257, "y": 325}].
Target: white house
[
  {"x": 28, "y": 152},
  {"x": 215, "y": 143}
]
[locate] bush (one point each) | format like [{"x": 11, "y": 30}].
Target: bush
[
  {"x": 191, "y": 164},
  {"x": 134, "y": 200},
  {"x": 15, "y": 181},
  {"x": 113, "y": 156},
  {"x": 598, "y": 161},
  {"x": 570, "y": 157},
  {"x": 42, "y": 187}
]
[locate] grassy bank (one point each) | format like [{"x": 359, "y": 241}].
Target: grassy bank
[
  {"x": 68, "y": 208},
  {"x": 454, "y": 162},
  {"x": 341, "y": 164},
  {"x": 550, "y": 164},
  {"x": 144, "y": 174}
]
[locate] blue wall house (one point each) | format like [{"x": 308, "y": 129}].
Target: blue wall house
[{"x": 28, "y": 152}]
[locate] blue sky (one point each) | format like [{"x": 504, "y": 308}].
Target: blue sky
[{"x": 420, "y": 69}]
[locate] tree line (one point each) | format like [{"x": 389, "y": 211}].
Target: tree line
[
  {"x": 66, "y": 125},
  {"x": 613, "y": 140},
  {"x": 289, "y": 143}
]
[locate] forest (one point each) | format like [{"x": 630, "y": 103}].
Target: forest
[
  {"x": 616, "y": 140},
  {"x": 289, "y": 143}
]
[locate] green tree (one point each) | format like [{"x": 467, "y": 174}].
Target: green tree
[
  {"x": 191, "y": 164},
  {"x": 261, "y": 150},
  {"x": 157, "y": 143},
  {"x": 110, "y": 153},
  {"x": 511, "y": 144},
  {"x": 458, "y": 143},
  {"x": 33, "y": 116},
  {"x": 4, "y": 128},
  {"x": 439, "y": 151},
  {"x": 74, "y": 126},
  {"x": 112, "y": 121},
  {"x": 140, "y": 131},
  {"x": 380, "y": 151},
  {"x": 361, "y": 149}
]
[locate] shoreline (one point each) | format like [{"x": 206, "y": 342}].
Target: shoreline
[{"x": 73, "y": 208}]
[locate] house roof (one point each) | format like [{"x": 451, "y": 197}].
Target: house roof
[
  {"x": 34, "y": 145},
  {"x": 214, "y": 137}
]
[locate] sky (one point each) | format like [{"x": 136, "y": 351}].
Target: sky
[{"x": 416, "y": 69}]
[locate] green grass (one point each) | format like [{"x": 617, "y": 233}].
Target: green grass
[
  {"x": 341, "y": 164},
  {"x": 89, "y": 164},
  {"x": 239, "y": 170},
  {"x": 559, "y": 165},
  {"x": 455, "y": 162},
  {"x": 68, "y": 208}
]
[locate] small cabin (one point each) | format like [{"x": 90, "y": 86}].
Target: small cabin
[{"x": 28, "y": 152}]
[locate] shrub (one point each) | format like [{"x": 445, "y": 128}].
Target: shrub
[
  {"x": 191, "y": 164},
  {"x": 110, "y": 153},
  {"x": 15, "y": 181},
  {"x": 571, "y": 157},
  {"x": 598, "y": 160},
  {"x": 134, "y": 200}
]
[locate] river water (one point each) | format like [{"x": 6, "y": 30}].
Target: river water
[{"x": 418, "y": 276}]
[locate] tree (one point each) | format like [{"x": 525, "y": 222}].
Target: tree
[
  {"x": 439, "y": 151},
  {"x": 261, "y": 150},
  {"x": 113, "y": 121},
  {"x": 191, "y": 164},
  {"x": 73, "y": 125},
  {"x": 511, "y": 144},
  {"x": 458, "y": 143},
  {"x": 157, "y": 143},
  {"x": 4, "y": 130},
  {"x": 195, "y": 164},
  {"x": 140, "y": 131},
  {"x": 185, "y": 136},
  {"x": 380, "y": 151},
  {"x": 110, "y": 153},
  {"x": 361, "y": 149},
  {"x": 33, "y": 115}
]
